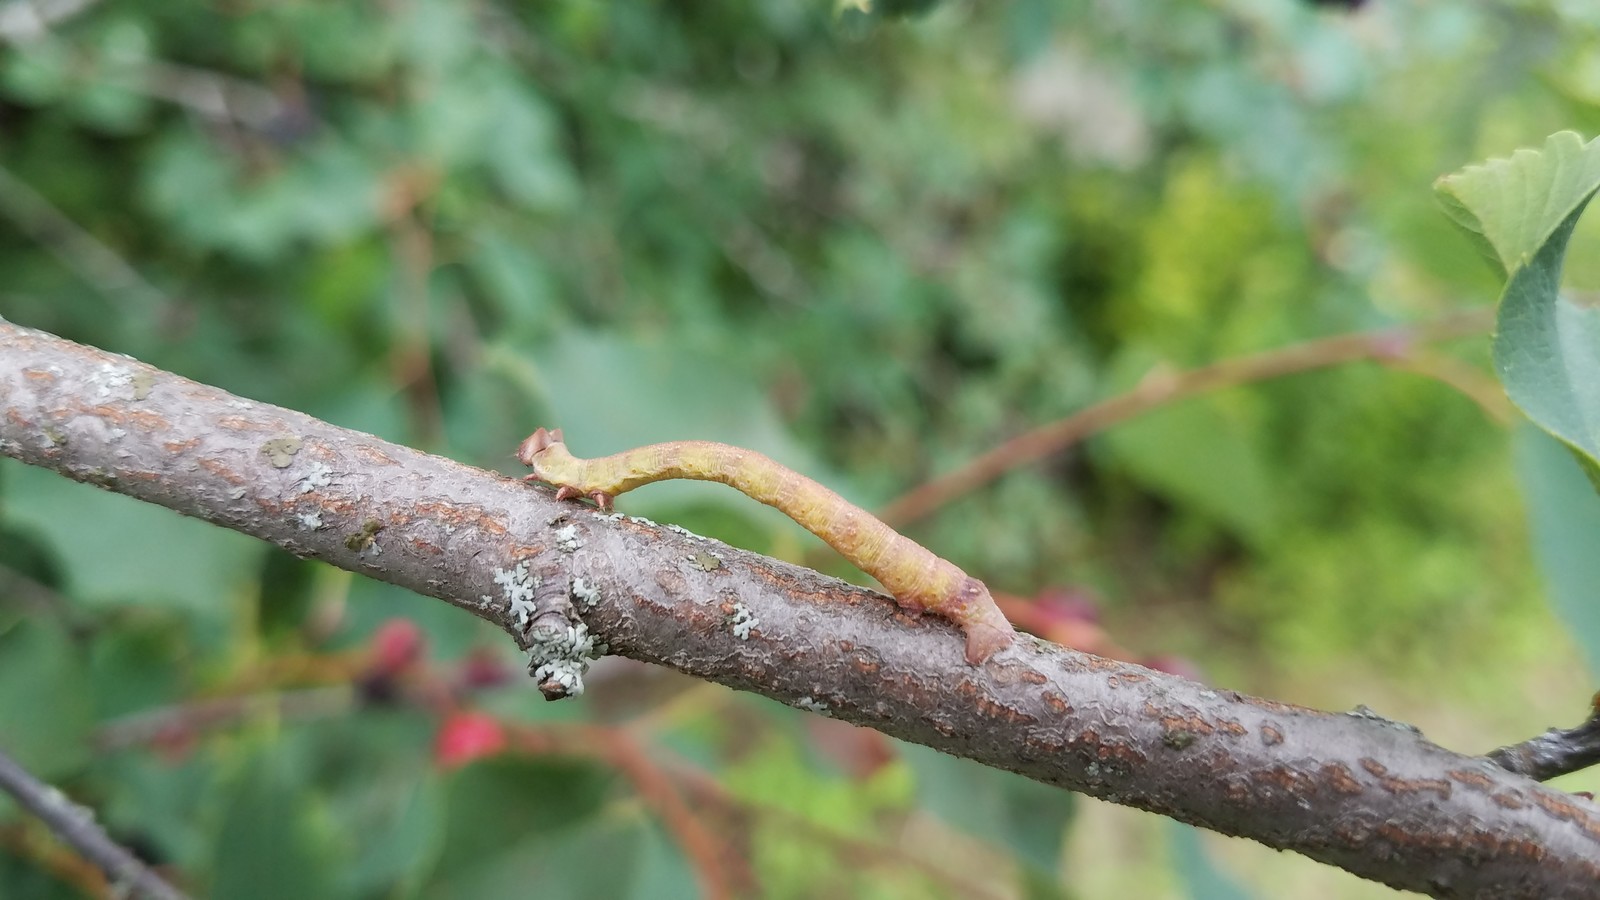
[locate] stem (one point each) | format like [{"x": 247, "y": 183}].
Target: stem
[
  {"x": 1558, "y": 751},
  {"x": 1390, "y": 345},
  {"x": 76, "y": 826}
]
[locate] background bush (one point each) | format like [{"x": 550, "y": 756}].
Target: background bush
[{"x": 869, "y": 248}]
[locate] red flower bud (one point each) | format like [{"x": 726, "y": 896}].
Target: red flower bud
[
  {"x": 396, "y": 646},
  {"x": 466, "y": 736}
]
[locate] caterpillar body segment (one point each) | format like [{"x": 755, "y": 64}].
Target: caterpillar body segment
[{"x": 917, "y": 578}]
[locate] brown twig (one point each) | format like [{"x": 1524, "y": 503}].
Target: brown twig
[
  {"x": 654, "y": 786},
  {"x": 1391, "y": 345},
  {"x": 411, "y": 244},
  {"x": 1466, "y": 379},
  {"x": 183, "y": 721},
  {"x": 661, "y": 780},
  {"x": 622, "y": 751},
  {"x": 40, "y": 847},
  {"x": 76, "y": 826}
]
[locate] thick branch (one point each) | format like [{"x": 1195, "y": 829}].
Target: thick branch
[{"x": 1350, "y": 790}]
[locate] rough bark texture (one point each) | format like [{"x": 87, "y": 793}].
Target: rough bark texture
[{"x": 1351, "y": 790}]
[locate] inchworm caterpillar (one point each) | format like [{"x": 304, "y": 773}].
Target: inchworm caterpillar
[{"x": 918, "y": 579}]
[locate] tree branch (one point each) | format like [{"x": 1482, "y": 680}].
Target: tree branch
[
  {"x": 1353, "y": 791},
  {"x": 75, "y": 825},
  {"x": 1556, "y": 752}
]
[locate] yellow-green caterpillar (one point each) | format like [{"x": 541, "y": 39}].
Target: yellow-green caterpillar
[{"x": 918, "y": 579}]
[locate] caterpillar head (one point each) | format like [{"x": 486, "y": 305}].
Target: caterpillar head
[{"x": 536, "y": 442}]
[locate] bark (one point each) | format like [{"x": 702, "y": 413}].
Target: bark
[{"x": 1349, "y": 789}]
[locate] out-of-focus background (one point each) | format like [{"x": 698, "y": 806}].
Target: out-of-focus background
[{"x": 870, "y": 248}]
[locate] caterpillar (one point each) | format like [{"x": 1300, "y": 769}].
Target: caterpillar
[{"x": 917, "y": 578}]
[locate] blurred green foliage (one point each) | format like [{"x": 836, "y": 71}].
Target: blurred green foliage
[{"x": 869, "y": 247}]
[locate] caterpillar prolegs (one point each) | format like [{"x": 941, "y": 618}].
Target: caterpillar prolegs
[{"x": 917, "y": 578}]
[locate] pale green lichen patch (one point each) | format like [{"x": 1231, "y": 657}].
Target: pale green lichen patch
[
  {"x": 587, "y": 595},
  {"x": 518, "y": 586},
  {"x": 280, "y": 451},
  {"x": 317, "y": 476},
  {"x": 567, "y": 538},
  {"x": 143, "y": 383},
  {"x": 558, "y": 657},
  {"x": 705, "y": 561}
]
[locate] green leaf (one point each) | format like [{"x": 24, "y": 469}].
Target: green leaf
[
  {"x": 45, "y": 705},
  {"x": 1546, "y": 348},
  {"x": 662, "y": 871},
  {"x": 503, "y": 805},
  {"x": 1034, "y": 821},
  {"x": 326, "y": 192},
  {"x": 267, "y": 845},
  {"x": 38, "y": 73},
  {"x": 402, "y": 829},
  {"x": 1200, "y": 875},
  {"x": 1516, "y": 205},
  {"x": 609, "y": 856},
  {"x": 1564, "y": 518},
  {"x": 120, "y": 551},
  {"x": 1195, "y": 453},
  {"x": 1025, "y": 817},
  {"x": 134, "y": 665},
  {"x": 517, "y": 281},
  {"x": 165, "y": 797},
  {"x": 523, "y": 153}
]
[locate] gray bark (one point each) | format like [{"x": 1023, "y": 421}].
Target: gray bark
[{"x": 1352, "y": 790}]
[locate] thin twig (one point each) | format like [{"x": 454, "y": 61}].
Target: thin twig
[
  {"x": 1556, "y": 752},
  {"x": 24, "y": 21},
  {"x": 412, "y": 247},
  {"x": 662, "y": 796},
  {"x": 217, "y": 96},
  {"x": 617, "y": 747},
  {"x": 657, "y": 776},
  {"x": 34, "y": 596},
  {"x": 1467, "y": 379},
  {"x": 76, "y": 826},
  {"x": 86, "y": 255},
  {"x": 189, "y": 718},
  {"x": 1159, "y": 389},
  {"x": 38, "y": 846}
]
